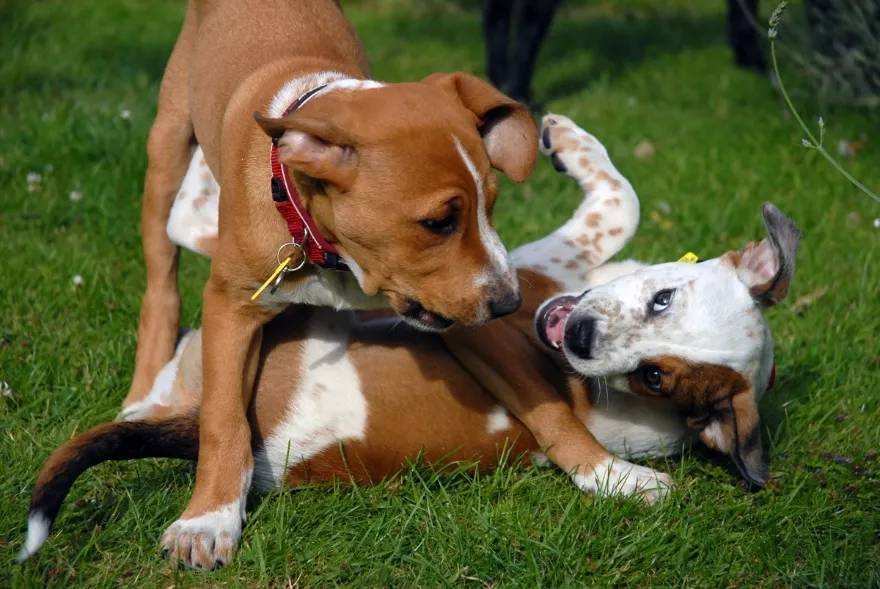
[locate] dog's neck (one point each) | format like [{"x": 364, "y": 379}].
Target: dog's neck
[{"x": 322, "y": 287}]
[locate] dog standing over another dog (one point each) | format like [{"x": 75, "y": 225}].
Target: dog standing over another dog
[{"x": 392, "y": 181}]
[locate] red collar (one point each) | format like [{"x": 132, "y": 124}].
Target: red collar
[{"x": 302, "y": 227}]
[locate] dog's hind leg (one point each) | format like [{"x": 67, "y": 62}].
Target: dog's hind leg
[
  {"x": 169, "y": 149},
  {"x": 193, "y": 223},
  {"x": 177, "y": 389},
  {"x": 603, "y": 223}
]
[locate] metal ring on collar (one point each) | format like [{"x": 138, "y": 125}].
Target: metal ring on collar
[{"x": 297, "y": 247}]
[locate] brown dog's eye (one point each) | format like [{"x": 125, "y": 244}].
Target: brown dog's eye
[
  {"x": 652, "y": 377},
  {"x": 443, "y": 226}
]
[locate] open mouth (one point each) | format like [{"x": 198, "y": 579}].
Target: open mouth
[
  {"x": 424, "y": 319},
  {"x": 551, "y": 320}
]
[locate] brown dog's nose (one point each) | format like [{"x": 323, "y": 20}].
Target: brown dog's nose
[{"x": 505, "y": 304}]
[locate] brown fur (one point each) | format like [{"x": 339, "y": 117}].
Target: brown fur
[
  {"x": 716, "y": 396},
  {"x": 403, "y": 381},
  {"x": 694, "y": 386}
]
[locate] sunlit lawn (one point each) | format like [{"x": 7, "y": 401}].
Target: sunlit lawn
[{"x": 78, "y": 83}]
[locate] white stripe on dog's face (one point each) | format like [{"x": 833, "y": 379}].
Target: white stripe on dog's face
[
  {"x": 499, "y": 266},
  {"x": 711, "y": 319}
]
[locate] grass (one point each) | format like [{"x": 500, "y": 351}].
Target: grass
[{"x": 628, "y": 71}]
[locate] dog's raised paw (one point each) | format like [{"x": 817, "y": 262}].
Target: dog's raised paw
[
  {"x": 616, "y": 476},
  {"x": 205, "y": 542},
  {"x": 572, "y": 150}
]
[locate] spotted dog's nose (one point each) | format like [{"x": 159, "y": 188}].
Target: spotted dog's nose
[
  {"x": 579, "y": 336},
  {"x": 505, "y": 305}
]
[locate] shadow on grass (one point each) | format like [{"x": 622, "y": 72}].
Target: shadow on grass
[
  {"x": 122, "y": 42},
  {"x": 610, "y": 47},
  {"x": 587, "y": 45},
  {"x": 795, "y": 385},
  {"x": 134, "y": 483}
]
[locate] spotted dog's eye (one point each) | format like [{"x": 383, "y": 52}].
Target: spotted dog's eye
[
  {"x": 443, "y": 226},
  {"x": 661, "y": 301},
  {"x": 652, "y": 377}
]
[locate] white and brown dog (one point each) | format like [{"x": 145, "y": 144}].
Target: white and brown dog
[{"x": 669, "y": 351}]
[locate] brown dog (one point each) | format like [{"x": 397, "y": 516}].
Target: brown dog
[{"x": 394, "y": 178}]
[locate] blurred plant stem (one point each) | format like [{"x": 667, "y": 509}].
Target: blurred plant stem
[{"x": 810, "y": 141}]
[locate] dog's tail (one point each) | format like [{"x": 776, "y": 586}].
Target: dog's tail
[{"x": 176, "y": 437}]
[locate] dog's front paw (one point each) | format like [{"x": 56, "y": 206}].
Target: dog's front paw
[
  {"x": 615, "y": 476},
  {"x": 204, "y": 542},
  {"x": 572, "y": 150}
]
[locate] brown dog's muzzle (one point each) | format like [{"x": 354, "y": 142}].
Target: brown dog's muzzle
[{"x": 439, "y": 310}]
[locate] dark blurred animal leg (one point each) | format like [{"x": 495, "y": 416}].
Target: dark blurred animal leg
[
  {"x": 824, "y": 23},
  {"x": 534, "y": 22},
  {"x": 496, "y": 33},
  {"x": 744, "y": 34}
]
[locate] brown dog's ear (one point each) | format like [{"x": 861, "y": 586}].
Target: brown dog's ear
[
  {"x": 313, "y": 147},
  {"x": 508, "y": 131},
  {"x": 767, "y": 267},
  {"x": 735, "y": 431}
]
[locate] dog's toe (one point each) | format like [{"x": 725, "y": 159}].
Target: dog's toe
[
  {"x": 657, "y": 486},
  {"x": 204, "y": 543},
  {"x": 572, "y": 150}
]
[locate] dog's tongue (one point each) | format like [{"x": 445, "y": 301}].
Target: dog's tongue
[{"x": 554, "y": 323}]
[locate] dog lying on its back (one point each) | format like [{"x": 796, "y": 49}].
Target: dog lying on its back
[{"x": 672, "y": 350}]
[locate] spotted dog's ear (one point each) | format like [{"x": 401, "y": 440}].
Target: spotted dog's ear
[
  {"x": 509, "y": 134},
  {"x": 735, "y": 430},
  {"x": 767, "y": 267},
  {"x": 314, "y": 147}
]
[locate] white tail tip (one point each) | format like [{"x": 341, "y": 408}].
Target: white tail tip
[{"x": 37, "y": 532}]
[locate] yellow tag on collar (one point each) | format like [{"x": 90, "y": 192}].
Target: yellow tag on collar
[
  {"x": 689, "y": 258},
  {"x": 276, "y": 274}
]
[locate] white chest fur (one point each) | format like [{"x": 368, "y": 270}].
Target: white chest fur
[{"x": 324, "y": 288}]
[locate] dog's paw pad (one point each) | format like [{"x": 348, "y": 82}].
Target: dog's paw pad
[
  {"x": 572, "y": 150},
  {"x": 205, "y": 542},
  {"x": 619, "y": 477}
]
